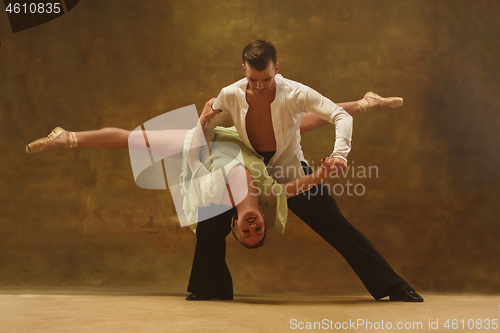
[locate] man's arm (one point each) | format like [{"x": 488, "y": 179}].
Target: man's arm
[{"x": 314, "y": 102}]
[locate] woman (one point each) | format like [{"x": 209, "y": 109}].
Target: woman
[{"x": 242, "y": 169}]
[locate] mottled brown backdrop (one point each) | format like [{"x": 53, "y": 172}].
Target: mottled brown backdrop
[{"x": 75, "y": 218}]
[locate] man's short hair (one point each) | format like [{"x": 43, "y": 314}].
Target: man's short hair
[{"x": 258, "y": 53}]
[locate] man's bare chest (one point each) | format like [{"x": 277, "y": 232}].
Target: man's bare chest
[{"x": 259, "y": 126}]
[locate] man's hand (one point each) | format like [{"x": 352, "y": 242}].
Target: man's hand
[
  {"x": 333, "y": 165},
  {"x": 208, "y": 112}
]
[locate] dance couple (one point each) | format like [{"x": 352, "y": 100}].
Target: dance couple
[{"x": 269, "y": 113}]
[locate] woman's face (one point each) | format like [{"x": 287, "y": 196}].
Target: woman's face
[{"x": 251, "y": 226}]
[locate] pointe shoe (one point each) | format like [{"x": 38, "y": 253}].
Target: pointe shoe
[
  {"x": 43, "y": 143},
  {"x": 367, "y": 103}
]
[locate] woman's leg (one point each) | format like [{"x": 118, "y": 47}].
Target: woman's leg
[
  {"x": 310, "y": 121},
  {"x": 60, "y": 138},
  {"x": 165, "y": 143},
  {"x": 107, "y": 138}
]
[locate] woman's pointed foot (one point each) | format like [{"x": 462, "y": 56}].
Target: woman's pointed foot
[
  {"x": 58, "y": 138},
  {"x": 372, "y": 101}
]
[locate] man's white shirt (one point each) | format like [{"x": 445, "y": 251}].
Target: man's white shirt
[{"x": 292, "y": 100}]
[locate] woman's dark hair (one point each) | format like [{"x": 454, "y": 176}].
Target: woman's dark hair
[
  {"x": 258, "y": 53},
  {"x": 237, "y": 235}
]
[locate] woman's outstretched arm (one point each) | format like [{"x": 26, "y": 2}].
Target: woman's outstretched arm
[
  {"x": 299, "y": 185},
  {"x": 198, "y": 140}
]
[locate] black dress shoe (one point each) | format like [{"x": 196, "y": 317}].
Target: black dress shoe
[
  {"x": 195, "y": 297},
  {"x": 407, "y": 295}
]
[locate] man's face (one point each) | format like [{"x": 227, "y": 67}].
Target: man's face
[{"x": 262, "y": 82}]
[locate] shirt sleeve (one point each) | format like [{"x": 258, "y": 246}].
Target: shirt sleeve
[
  {"x": 323, "y": 107},
  {"x": 219, "y": 103}
]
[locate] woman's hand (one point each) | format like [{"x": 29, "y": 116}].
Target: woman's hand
[
  {"x": 208, "y": 112},
  {"x": 331, "y": 166}
]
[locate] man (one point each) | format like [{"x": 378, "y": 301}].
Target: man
[{"x": 266, "y": 110}]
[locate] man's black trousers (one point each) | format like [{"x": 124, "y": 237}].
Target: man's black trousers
[{"x": 210, "y": 275}]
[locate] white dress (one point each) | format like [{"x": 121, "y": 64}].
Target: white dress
[{"x": 206, "y": 183}]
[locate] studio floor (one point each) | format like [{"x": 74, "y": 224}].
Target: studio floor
[{"x": 84, "y": 311}]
